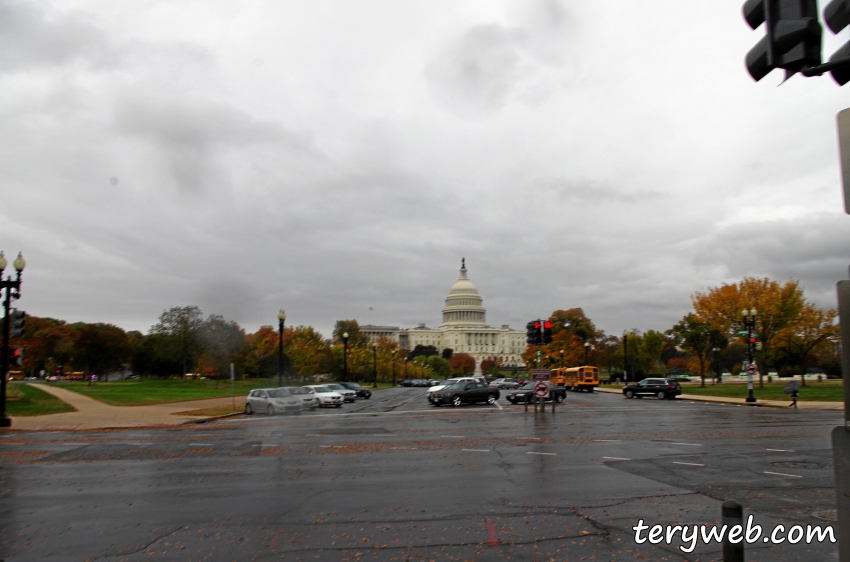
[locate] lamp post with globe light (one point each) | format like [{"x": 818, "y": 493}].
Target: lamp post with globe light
[
  {"x": 586, "y": 352},
  {"x": 344, "y": 356},
  {"x": 749, "y": 317},
  {"x": 13, "y": 292},
  {"x": 281, "y": 318}
]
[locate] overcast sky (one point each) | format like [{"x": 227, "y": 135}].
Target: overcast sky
[{"x": 330, "y": 156}]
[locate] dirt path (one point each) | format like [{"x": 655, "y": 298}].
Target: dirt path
[{"x": 93, "y": 414}]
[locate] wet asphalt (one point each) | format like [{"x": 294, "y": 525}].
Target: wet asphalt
[{"x": 393, "y": 478}]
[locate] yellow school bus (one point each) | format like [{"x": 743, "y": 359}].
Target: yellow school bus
[{"x": 576, "y": 378}]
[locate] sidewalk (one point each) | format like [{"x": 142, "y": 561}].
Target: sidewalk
[
  {"x": 801, "y": 404},
  {"x": 93, "y": 414}
]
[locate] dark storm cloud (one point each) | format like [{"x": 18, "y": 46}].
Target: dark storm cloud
[{"x": 30, "y": 38}]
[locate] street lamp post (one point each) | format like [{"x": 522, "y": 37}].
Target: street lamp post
[
  {"x": 626, "y": 357},
  {"x": 586, "y": 352},
  {"x": 281, "y": 318},
  {"x": 13, "y": 291},
  {"x": 716, "y": 351},
  {"x": 375, "y": 365},
  {"x": 344, "y": 356},
  {"x": 749, "y": 317},
  {"x": 562, "y": 358}
]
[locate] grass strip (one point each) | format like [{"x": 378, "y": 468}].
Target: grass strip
[
  {"x": 25, "y": 400},
  {"x": 826, "y": 391}
]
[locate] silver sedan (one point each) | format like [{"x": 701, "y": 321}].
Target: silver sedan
[
  {"x": 272, "y": 401},
  {"x": 306, "y": 394}
]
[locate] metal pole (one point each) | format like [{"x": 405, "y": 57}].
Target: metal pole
[
  {"x": 732, "y": 514},
  {"x": 626, "y": 358},
  {"x": 375, "y": 366},
  {"x": 344, "y": 359},
  {"x": 749, "y": 322},
  {"x": 232, "y": 386},
  {"x": 5, "y": 421},
  {"x": 280, "y": 352}
]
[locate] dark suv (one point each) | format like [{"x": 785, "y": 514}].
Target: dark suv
[
  {"x": 662, "y": 388},
  {"x": 362, "y": 392}
]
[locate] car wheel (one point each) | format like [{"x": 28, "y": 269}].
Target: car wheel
[
  {"x": 368, "y": 397},
  {"x": 337, "y": 405},
  {"x": 590, "y": 389},
  {"x": 629, "y": 394},
  {"x": 661, "y": 395},
  {"x": 491, "y": 399},
  {"x": 270, "y": 410},
  {"x": 559, "y": 398},
  {"x": 435, "y": 404},
  {"x": 456, "y": 401},
  {"x": 248, "y": 410}
]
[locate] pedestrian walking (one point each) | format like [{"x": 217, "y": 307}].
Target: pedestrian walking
[{"x": 793, "y": 403}]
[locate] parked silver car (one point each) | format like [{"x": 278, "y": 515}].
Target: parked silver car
[
  {"x": 272, "y": 401},
  {"x": 306, "y": 394}
]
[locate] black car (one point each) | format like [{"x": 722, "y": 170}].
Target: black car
[
  {"x": 465, "y": 392},
  {"x": 662, "y": 388},
  {"x": 362, "y": 392},
  {"x": 408, "y": 382},
  {"x": 526, "y": 392}
]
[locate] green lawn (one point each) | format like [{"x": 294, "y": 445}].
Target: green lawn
[
  {"x": 154, "y": 391},
  {"x": 26, "y": 400},
  {"x": 828, "y": 391}
]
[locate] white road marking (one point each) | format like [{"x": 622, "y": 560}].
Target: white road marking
[
  {"x": 783, "y": 474},
  {"x": 404, "y": 448},
  {"x": 688, "y": 463},
  {"x": 201, "y": 444},
  {"x": 536, "y": 453},
  {"x": 477, "y": 450},
  {"x": 780, "y": 450},
  {"x": 383, "y": 435},
  {"x": 457, "y": 436},
  {"x": 605, "y": 441},
  {"x": 616, "y": 458},
  {"x": 687, "y": 444}
]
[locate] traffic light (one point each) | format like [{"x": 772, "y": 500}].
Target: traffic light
[
  {"x": 18, "y": 322},
  {"x": 533, "y": 332},
  {"x": 793, "y": 38},
  {"x": 547, "y": 332},
  {"x": 17, "y": 356},
  {"x": 837, "y": 17}
]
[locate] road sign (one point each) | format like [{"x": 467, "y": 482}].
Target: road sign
[
  {"x": 752, "y": 369},
  {"x": 540, "y": 374},
  {"x": 541, "y": 390}
]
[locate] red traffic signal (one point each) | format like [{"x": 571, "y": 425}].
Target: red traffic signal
[{"x": 547, "y": 325}]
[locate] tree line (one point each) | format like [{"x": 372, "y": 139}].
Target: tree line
[{"x": 794, "y": 335}]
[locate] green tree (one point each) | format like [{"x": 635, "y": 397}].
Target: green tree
[
  {"x": 183, "y": 323},
  {"x": 698, "y": 337},
  {"x": 101, "y": 347},
  {"x": 223, "y": 340}
]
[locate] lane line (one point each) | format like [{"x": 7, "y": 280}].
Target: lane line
[
  {"x": 455, "y": 436},
  {"x": 687, "y": 444},
  {"x": 404, "y": 448},
  {"x": 688, "y": 463},
  {"x": 477, "y": 450},
  {"x": 202, "y": 444},
  {"x": 783, "y": 474},
  {"x": 606, "y": 440},
  {"x": 780, "y": 450},
  {"x": 536, "y": 453},
  {"x": 616, "y": 458}
]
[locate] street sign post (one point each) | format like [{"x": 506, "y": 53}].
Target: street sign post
[
  {"x": 752, "y": 369},
  {"x": 541, "y": 390}
]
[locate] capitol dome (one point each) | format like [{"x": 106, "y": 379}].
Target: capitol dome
[{"x": 463, "y": 305}]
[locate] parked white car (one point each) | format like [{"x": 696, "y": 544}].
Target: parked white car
[
  {"x": 272, "y": 401},
  {"x": 439, "y": 387},
  {"x": 326, "y": 395},
  {"x": 306, "y": 394}
]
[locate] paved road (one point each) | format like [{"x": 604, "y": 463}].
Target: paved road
[{"x": 393, "y": 478}]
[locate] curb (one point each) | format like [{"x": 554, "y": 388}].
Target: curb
[{"x": 212, "y": 418}]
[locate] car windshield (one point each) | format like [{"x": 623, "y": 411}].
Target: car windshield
[
  {"x": 278, "y": 393},
  {"x": 322, "y": 389},
  {"x": 528, "y": 386},
  {"x": 353, "y": 385},
  {"x": 456, "y": 386},
  {"x": 450, "y": 381},
  {"x": 337, "y": 387}
]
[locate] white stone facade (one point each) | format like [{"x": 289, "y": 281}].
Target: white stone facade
[{"x": 464, "y": 329}]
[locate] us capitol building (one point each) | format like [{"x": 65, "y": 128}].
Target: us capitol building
[{"x": 464, "y": 329}]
